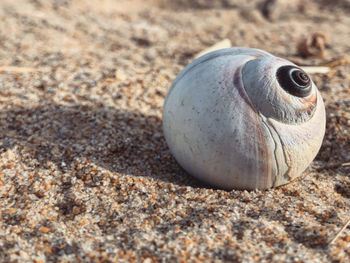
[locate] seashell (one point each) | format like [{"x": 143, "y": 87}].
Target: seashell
[{"x": 241, "y": 118}]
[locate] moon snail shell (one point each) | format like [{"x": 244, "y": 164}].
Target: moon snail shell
[{"x": 241, "y": 118}]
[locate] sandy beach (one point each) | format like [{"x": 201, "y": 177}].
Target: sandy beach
[{"x": 85, "y": 172}]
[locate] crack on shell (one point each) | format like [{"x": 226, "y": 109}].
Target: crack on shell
[
  {"x": 286, "y": 174},
  {"x": 262, "y": 118}
]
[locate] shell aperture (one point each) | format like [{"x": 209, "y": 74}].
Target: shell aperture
[{"x": 230, "y": 122}]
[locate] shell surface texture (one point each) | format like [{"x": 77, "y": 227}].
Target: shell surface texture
[{"x": 241, "y": 118}]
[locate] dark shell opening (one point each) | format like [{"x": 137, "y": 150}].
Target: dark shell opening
[{"x": 294, "y": 80}]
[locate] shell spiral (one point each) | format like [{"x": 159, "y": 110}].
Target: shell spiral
[{"x": 241, "y": 118}]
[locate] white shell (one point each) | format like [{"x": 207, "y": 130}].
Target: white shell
[{"x": 229, "y": 123}]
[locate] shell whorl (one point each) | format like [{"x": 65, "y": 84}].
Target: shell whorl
[{"x": 269, "y": 98}]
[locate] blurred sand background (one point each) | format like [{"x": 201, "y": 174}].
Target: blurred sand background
[{"x": 86, "y": 175}]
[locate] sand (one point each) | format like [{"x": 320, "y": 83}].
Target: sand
[{"x": 86, "y": 175}]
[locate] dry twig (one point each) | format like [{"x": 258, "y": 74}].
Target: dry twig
[
  {"x": 339, "y": 232},
  {"x": 340, "y": 61},
  {"x": 19, "y": 70},
  {"x": 316, "y": 69},
  {"x": 226, "y": 43},
  {"x": 334, "y": 165}
]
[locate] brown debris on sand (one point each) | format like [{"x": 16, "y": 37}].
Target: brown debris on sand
[{"x": 314, "y": 45}]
